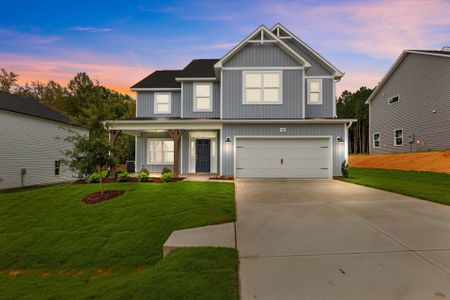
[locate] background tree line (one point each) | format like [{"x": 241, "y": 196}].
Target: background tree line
[{"x": 84, "y": 101}]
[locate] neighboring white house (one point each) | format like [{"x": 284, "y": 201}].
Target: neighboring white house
[{"x": 31, "y": 143}]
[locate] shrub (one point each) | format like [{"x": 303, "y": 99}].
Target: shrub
[
  {"x": 166, "y": 177},
  {"x": 143, "y": 177},
  {"x": 95, "y": 177},
  {"x": 344, "y": 168},
  {"x": 144, "y": 170},
  {"x": 122, "y": 176},
  {"x": 165, "y": 170}
]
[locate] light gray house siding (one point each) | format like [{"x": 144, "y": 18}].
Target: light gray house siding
[
  {"x": 292, "y": 106},
  {"x": 423, "y": 84},
  {"x": 317, "y": 67},
  {"x": 261, "y": 55},
  {"x": 34, "y": 144},
  {"x": 232, "y": 130},
  {"x": 324, "y": 110},
  {"x": 188, "y": 102},
  {"x": 145, "y": 106}
]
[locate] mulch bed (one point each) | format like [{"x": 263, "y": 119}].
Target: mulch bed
[
  {"x": 97, "y": 197},
  {"x": 130, "y": 179},
  {"x": 222, "y": 177}
]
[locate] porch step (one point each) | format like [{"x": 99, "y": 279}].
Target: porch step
[{"x": 221, "y": 235}]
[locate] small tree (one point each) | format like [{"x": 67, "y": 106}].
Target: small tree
[{"x": 88, "y": 155}]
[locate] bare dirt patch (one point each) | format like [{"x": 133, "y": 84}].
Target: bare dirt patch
[{"x": 436, "y": 161}]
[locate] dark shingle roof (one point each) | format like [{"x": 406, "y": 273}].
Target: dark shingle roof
[
  {"x": 159, "y": 79},
  {"x": 30, "y": 107},
  {"x": 433, "y": 52},
  {"x": 199, "y": 68}
]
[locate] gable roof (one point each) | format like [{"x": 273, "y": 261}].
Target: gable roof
[
  {"x": 30, "y": 107},
  {"x": 263, "y": 31},
  {"x": 199, "y": 68},
  {"x": 399, "y": 61},
  {"x": 159, "y": 80},
  {"x": 287, "y": 34}
]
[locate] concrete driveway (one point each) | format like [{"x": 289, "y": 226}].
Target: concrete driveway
[{"x": 335, "y": 240}]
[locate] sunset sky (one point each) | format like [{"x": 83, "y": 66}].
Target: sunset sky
[{"x": 120, "y": 42}]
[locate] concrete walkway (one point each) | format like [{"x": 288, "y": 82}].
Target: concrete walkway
[{"x": 335, "y": 240}]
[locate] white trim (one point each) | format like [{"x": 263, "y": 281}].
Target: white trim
[
  {"x": 262, "y": 102},
  {"x": 304, "y": 94},
  {"x": 196, "y": 79},
  {"x": 334, "y": 99},
  {"x": 221, "y": 94},
  {"x": 181, "y": 154},
  {"x": 135, "y": 153},
  {"x": 346, "y": 142},
  {"x": 337, "y": 72},
  {"x": 181, "y": 102},
  {"x": 392, "y": 103},
  {"x": 395, "y": 138},
  {"x": 155, "y": 105},
  {"x": 318, "y": 77},
  {"x": 308, "y": 101},
  {"x": 221, "y": 145},
  {"x": 262, "y": 68},
  {"x": 202, "y": 135},
  {"x": 262, "y": 41},
  {"x": 156, "y": 89},
  {"x": 162, "y": 145},
  {"x": 194, "y": 92},
  {"x": 329, "y": 137},
  {"x": 428, "y": 53},
  {"x": 379, "y": 140}
]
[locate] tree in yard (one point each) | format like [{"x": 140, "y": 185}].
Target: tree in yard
[
  {"x": 353, "y": 106},
  {"x": 88, "y": 155},
  {"x": 7, "y": 80}
]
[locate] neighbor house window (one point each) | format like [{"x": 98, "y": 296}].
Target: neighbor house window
[
  {"x": 262, "y": 87},
  {"x": 160, "y": 151},
  {"x": 376, "y": 140},
  {"x": 202, "y": 97},
  {"x": 163, "y": 103},
  {"x": 398, "y": 137},
  {"x": 57, "y": 167},
  {"x": 314, "y": 91},
  {"x": 393, "y": 100}
]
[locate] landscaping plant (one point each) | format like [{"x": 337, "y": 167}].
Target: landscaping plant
[
  {"x": 344, "y": 168},
  {"x": 166, "y": 176},
  {"x": 122, "y": 176},
  {"x": 143, "y": 177}
]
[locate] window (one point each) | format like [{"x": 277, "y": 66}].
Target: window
[
  {"x": 202, "y": 97},
  {"x": 314, "y": 91},
  {"x": 163, "y": 103},
  {"x": 57, "y": 167},
  {"x": 393, "y": 100},
  {"x": 160, "y": 151},
  {"x": 376, "y": 140},
  {"x": 398, "y": 137},
  {"x": 262, "y": 87}
]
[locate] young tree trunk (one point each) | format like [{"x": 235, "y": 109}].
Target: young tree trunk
[
  {"x": 176, "y": 136},
  {"x": 101, "y": 181}
]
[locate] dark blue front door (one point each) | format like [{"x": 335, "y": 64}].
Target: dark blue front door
[{"x": 203, "y": 161}]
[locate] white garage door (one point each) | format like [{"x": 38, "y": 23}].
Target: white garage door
[{"x": 283, "y": 158}]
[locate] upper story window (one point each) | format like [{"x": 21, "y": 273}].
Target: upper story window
[
  {"x": 393, "y": 100},
  {"x": 262, "y": 87},
  {"x": 163, "y": 103},
  {"x": 202, "y": 97},
  {"x": 398, "y": 137},
  {"x": 160, "y": 151},
  {"x": 314, "y": 91},
  {"x": 376, "y": 140}
]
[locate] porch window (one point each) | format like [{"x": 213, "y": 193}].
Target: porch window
[
  {"x": 314, "y": 91},
  {"x": 163, "y": 103},
  {"x": 202, "y": 97},
  {"x": 160, "y": 151},
  {"x": 262, "y": 87}
]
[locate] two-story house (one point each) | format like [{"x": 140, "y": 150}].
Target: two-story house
[
  {"x": 267, "y": 109},
  {"x": 410, "y": 108}
]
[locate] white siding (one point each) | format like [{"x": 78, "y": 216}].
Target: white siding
[{"x": 34, "y": 144}]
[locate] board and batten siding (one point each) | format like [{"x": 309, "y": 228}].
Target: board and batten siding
[
  {"x": 422, "y": 83},
  {"x": 324, "y": 110},
  {"x": 188, "y": 102},
  {"x": 232, "y": 130},
  {"x": 292, "y": 106},
  {"x": 146, "y": 108},
  {"x": 141, "y": 152},
  {"x": 35, "y": 144},
  {"x": 261, "y": 55}
]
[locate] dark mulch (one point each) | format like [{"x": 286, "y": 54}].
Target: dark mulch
[
  {"x": 222, "y": 177},
  {"x": 97, "y": 197},
  {"x": 130, "y": 179}
]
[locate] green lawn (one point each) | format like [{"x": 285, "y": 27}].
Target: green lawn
[
  {"x": 425, "y": 185},
  {"x": 54, "y": 246}
]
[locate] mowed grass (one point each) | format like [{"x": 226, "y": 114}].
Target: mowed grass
[
  {"x": 52, "y": 245},
  {"x": 425, "y": 185}
]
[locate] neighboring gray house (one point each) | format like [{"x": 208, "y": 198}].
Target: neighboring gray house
[
  {"x": 267, "y": 109},
  {"x": 410, "y": 108},
  {"x": 31, "y": 140}
]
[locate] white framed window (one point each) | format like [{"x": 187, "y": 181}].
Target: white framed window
[
  {"x": 262, "y": 87},
  {"x": 393, "y": 100},
  {"x": 203, "y": 97},
  {"x": 376, "y": 140},
  {"x": 314, "y": 91},
  {"x": 163, "y": 103},
  {"x": 160, "y": 151},
  {"x": 398, "y": 137}
]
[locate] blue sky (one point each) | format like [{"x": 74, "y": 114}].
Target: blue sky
[{"x": 120, "y": 42}]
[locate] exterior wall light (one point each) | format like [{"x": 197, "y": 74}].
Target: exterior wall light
[
  {"x": 227, "y": 139},
  {"x": 339, "y": 139}
]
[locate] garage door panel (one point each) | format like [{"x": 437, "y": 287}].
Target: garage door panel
[{"x": 282, "y": 158}]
